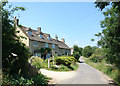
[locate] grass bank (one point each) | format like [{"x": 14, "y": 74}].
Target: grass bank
[
  {"x": 107, "y": 69},
  {"x": 73, "y": 66}
]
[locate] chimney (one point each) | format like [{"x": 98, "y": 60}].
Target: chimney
[
  {"x": 56, "y": 37},
  {"x": 16, "y": 21},
  {"x": 39, "y": 29},
  {"x": 63, "y": 40}
]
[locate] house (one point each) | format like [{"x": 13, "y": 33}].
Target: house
[{"x": 36, "y": 39}]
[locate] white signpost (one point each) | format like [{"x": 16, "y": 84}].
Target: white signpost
[
  {"x": 48, "y": 62},
  {"x": 53, "y": 57},
  {"x": 48, "y": 56}
]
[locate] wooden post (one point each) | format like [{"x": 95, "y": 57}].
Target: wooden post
[
  {"x": 53, "y": 61},
  {"x": 48, "y": 62},
  {"x": 53, "y": 57}
]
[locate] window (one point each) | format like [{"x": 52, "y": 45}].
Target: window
[
  {"x": 53, "y": 45},
  {"x": 30, "y": 33},
  {"x": 46, "y": 44},
  {"x": 35, "y": 43},
  {"x": 49, "y": 37},
  {"x": 40, "y": 35}
]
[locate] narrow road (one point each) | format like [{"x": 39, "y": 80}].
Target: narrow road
[{"x": 84, "y": 75}]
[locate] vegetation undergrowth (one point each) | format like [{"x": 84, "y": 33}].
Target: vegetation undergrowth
[
  {"x": 15, "y": 67},
  {"x": 108, "y": 69},
  {"x": 63, "y": 63},
  {"x": 15, "y": 79},
  {"x": 73, "y": 66}
]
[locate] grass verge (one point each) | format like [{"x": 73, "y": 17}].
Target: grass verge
[
  {"x": 108, "y": 69},
  {"x": 73, "y": 66}
]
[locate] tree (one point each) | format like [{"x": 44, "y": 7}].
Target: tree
[
  {"x": 94, "y": 48},
  {"x": 76, "y": 48},
  {"x": 110, "y": 35},
  {"x": 76, "y": 55},
  {"x": 14, "y": 53},
  {"x": 77, "y": 52},
  {"x": 80, "y": 50},
  {"x": 87, "y": 51}
]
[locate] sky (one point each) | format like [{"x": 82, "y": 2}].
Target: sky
[{"x": 76, "y": 22}]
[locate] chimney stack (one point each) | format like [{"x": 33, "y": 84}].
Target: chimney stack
[
  {"x": 16, "y": 21},
  {"x": 63, "y": 40},
  {"x": 56, "y": 37},
  {"x": 39, "y": 29}
]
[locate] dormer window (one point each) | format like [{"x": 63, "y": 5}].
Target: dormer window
[
  {"x": 49, "y": 37},
  {"x": 41, "y": 36},
  {"x": 30, "y": 33}
]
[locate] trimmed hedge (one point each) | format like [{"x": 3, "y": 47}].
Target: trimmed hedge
[{"x": 65, "y": 60}]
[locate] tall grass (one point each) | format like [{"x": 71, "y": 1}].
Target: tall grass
[{"x": 108, "y": 69}]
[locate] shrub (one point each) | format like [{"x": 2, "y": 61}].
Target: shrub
[
  {"x": 40, "y": 79},
  {"x": 54, "y": 67},
  {"x": 63, "y": 67},
  {"x": 76, "y": 55},
  {"x": 38, "y": 62},
  {"x": 23, "y": 81},
  {"x": 94, "y": 58},
  {"x": 98, "y": 55},
  {"x": 16, "y": 79},
  {"x": 65, "y": 60},
  {"x": 87, "y": 51}
]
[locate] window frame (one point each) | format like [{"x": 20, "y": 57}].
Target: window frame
[
  {"x": 46, "y": 45},
  {"x": 35, "y": 43},
  {"x": 53, "y": 46}
]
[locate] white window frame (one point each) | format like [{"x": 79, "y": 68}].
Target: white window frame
[
  {"x": 35, "y": 43},
  {"x": 53, "y": 46},
  {"x": 46, "y": 45}
]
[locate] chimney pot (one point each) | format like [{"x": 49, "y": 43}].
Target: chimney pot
[
  {"x": 63, "y": 40},
  {"x": 16, "y": 20},
  {"x": 56, "y": 37},
  {"x": 39, "y": 29}
]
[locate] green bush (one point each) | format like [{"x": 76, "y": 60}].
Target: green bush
[
  {"x": 54, "y": 67},
  {"x": 38, "y": 62},
  {"x": 40, "y": 79},
  {"x": 65, "y": 60},
  {"x": 23, "y": 81},
  {"x": 63, "y": 67},
  {"x": 76, "y": 55},
  {"x": 87, "y": 51},
  {"x": 94, "y": 58},
  {"x": 97, "y": 56}
]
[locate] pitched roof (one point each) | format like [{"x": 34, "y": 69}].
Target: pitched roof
[{"x": 44, "y": 38}]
